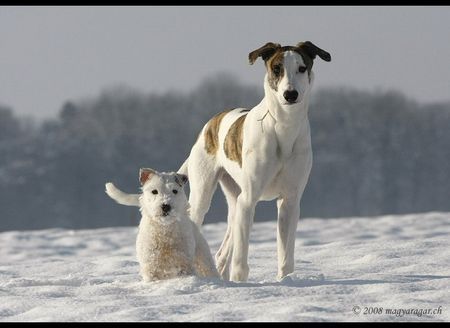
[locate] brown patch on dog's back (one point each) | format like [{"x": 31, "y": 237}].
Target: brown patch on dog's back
[
  {"x": 212, "y": 133},
  {"x": 232, "y": 144}
]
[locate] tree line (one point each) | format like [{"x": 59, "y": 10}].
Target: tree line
[{"x": 375, "y": 152}]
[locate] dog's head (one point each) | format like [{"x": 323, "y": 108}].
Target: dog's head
[
  {"x": 163, "y": 195},
  {"x": 289, "y": 69}
]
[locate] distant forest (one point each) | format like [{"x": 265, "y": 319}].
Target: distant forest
[{"x": 374, "y": 153}]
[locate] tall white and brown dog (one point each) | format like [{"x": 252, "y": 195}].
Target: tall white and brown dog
[{"x": 258, "y": 154}]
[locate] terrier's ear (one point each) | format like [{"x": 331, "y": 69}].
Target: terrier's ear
[
  {"x": 181, "y": 179},
  {"x": 312, "y": 50},
  {"x": 265, "y": 52},
  {"x": 145, "y": 174}
]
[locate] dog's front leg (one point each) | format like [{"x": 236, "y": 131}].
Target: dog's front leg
[
  {"x": 252, "y": 188},
  {"x": 245, "y": 210},
  {"x": 288, "y": 216}
]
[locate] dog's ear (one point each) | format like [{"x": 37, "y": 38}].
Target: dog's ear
[
  {"x": 265, "y": 52},
  {"x": 312, "y": 50},
  {"x": 145, "y": 174},
  {"x": 181, "y": 179}
]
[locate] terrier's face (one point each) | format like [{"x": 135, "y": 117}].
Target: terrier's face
[{"x": 163, "y": 195}]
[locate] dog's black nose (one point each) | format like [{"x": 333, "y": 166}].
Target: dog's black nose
[
  {"x": 166, "y": 208},
  {"x": 290, "y": 95}
]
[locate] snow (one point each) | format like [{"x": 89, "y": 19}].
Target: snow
[{"x": 398, "y": 262}]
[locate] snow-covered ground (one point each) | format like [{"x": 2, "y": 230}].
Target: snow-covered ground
[{"x": 344, "y": 267}]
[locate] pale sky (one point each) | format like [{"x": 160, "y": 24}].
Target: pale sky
[{"x": 52, "y": 54}]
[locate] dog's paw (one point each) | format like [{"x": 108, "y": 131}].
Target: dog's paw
[
  {"x": 239, "y": 274},
  {"x": 286, "y": 280}
]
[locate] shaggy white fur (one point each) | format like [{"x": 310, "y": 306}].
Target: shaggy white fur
[{"x": 168, "y": 243}]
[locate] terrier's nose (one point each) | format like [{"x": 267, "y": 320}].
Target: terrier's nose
[
  {"x": 166, "y": 208},
  {"x": 290, "y": 95}
]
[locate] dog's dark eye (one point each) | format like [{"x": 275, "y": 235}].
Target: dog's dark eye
[
  {"x": 154, "y": 192},
  {"x": 302, "y": 69},
  {"x": 175, "y": 191},
  {"x": 276, "y": 70}
]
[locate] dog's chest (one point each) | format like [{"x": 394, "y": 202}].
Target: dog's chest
[
  {"x": 171, "y": 240},
  {"x": 293, "y": 161},
  {"x": 165, "y": 243}
]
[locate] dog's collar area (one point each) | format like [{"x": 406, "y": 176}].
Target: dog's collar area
[{"x": 166, "y": 217}]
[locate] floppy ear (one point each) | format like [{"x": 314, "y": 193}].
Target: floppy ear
[
  {"x": 312, "y": 50},
  {"x": 265, "y": 52},
  {"x": 145, "y": 174},
  {"x": 181, "y": 179}
]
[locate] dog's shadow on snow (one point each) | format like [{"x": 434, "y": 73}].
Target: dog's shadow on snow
[{"x": 319, "y": 280}]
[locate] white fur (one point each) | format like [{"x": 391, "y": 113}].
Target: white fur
[
  {"x": 168, "y": 244},
  {"x": 121, "y": 197},
  {"x": 276, "y": 162}
]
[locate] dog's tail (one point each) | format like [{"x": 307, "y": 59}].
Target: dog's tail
[{"x": 121, "y": 197}]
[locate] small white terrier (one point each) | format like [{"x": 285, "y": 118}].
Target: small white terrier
[{"x": 168, "y": 243}]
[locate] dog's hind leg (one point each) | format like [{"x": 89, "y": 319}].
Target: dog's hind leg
[
  {"x": 184, "y": 168},
  {"x": 223, "y": 256},
  {"x": 203, "y": 178}
]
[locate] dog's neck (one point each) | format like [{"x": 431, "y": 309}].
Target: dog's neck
[
  {"x": 289, "y": 122},
  {"x": 285, "y": 115}
]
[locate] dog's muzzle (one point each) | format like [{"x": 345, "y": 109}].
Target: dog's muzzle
[
  {"x": 290, "y": 96},
  {"x": 166, "y": 209}
]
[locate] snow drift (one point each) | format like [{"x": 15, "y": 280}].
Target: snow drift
[{"x": 388, "y": 268}]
